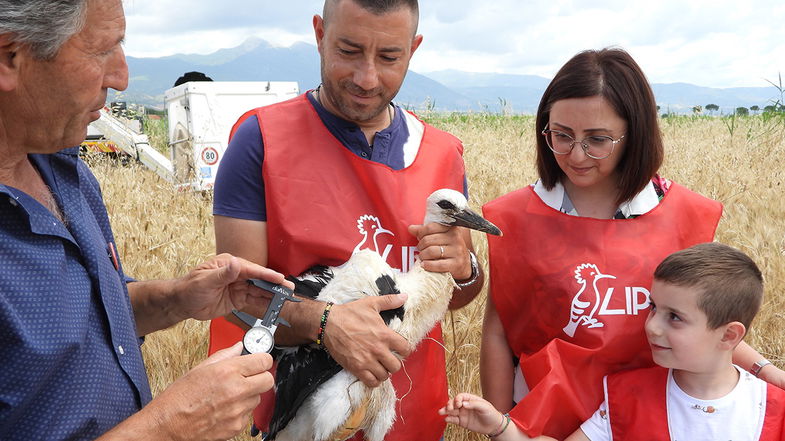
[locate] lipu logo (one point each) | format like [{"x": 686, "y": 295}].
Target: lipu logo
[
  {"x": 381, "y": 240},
  {"x": 591, "y": 302}
]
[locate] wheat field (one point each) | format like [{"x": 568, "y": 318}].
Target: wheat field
[{"x": 161, "y": 233}]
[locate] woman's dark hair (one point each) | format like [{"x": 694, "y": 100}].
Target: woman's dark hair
[{"x": 612, "y": 74}]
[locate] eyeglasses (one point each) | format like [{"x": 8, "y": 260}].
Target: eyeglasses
[{"x": 596, "y": 146}]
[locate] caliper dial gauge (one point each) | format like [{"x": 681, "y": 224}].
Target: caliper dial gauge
[{"x": 258, "y": 339}]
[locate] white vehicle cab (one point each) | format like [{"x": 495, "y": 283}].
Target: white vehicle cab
[{"x": 200, "y": 117}]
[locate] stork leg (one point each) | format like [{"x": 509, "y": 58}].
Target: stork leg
[
  {"x": 334, "y": 403},
  {"x": 352, "y": 424}
]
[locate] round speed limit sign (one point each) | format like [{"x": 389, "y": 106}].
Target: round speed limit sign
[{"x": 210, "y": 156}]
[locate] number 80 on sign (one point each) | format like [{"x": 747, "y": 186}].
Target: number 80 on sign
[{"x": 210, "y": 156}]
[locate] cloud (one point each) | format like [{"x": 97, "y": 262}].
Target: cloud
[
  {"x": 718, "y": 43},
  {"x": 174, "y": 16},
  {"x": 166, "y": 27}
]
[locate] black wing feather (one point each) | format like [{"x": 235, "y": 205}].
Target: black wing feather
[
  {"x": 298, "y": 375},
  {"x": 312, "y": 281},
  {"x": 387, "y": 286}
]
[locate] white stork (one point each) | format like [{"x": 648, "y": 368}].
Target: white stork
[{"x": 315, "y": 398}]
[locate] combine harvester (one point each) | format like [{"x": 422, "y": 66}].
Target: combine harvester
[{"x": 200, "y": 116}]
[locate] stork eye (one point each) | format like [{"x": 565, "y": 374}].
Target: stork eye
[{"x": 446, "y": 205}]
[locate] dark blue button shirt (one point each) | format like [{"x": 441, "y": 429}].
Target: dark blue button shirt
[
  {"x": 70, "y": 362},
  {"x": 239, "y": 187}
]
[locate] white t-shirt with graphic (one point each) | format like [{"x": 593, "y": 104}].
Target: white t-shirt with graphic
[{"x": 738, "y": 416}]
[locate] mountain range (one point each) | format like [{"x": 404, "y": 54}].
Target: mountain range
[{"x": 445, "y": 90}]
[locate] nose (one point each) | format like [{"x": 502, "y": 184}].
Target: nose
[
  {"x": 652, "y": 327},
  {"x": 116, "y": 70},
  {"x": 366, "y": 75},
  {"x": 577, "y": 146}
]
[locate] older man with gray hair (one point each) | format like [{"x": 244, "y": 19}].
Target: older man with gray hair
[{"x": 70, "y": 320}]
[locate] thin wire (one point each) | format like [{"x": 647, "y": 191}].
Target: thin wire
[{"x": 411, "y": 386}]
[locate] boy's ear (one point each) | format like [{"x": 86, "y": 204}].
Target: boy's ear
[
  {"x": 732, "y": 335},
  {"x": 8, "y": 63}
]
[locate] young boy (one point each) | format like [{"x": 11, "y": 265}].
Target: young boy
[{"x": 703, "y": 300}]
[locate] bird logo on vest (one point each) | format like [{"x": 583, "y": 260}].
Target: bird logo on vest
[
  {"x": 315, "y": 398},
  {"x": 371, "y": 228},
  {"x": 586, "y": 274}
]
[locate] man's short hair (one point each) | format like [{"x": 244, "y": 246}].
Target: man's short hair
[
  {"x": 377, "y": 7},
  {"x": 731, "y": 284},
  {"x": 42, "y": 25}
]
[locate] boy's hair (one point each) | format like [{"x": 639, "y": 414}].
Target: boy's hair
[{"x": 731, "y": 283}]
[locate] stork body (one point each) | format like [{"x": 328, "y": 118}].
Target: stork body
[{"x": 315, "y": 398}]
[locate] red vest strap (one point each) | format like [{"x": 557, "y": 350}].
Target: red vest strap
[
  {"x": 636, "y": 400},
  {"x": 774, "y": 421},
  {"x": 240, "y": 121}
]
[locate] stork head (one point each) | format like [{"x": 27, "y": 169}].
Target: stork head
[{"x": 449, "y": 207}]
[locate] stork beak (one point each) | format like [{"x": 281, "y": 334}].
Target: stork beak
[{"x": 469, "y": 219}]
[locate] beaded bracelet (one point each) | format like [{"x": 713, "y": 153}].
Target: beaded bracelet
[
  {"x": 323, "y": 324},
  {"x": 502, "y": 426}
]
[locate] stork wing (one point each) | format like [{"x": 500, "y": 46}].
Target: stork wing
[
  {"x": 310, "y": 283},
  {"x": 300, "y": 372}
]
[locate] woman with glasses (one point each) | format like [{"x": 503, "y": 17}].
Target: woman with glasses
[{"x": 570, "y": 278}]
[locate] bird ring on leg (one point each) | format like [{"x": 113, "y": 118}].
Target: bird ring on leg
[
  {"x": 441, "y": 254},
  {"x": 352, "y": 423}
]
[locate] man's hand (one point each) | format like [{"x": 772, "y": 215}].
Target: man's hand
[
  {"x": 443, "y": 249},
  {"x": 220, "y": 284},
  {"x": 211, "y": 402},
  {"x": 359, "y": 340},
  {"x": 446, "y": 250},
  {"x": 211, "y": 290}
]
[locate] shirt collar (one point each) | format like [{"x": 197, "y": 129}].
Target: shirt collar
[
  {"x": 558, "y": 199},
  {"x": 641, "y": 203},
  {"x": 335, "y": 123}
]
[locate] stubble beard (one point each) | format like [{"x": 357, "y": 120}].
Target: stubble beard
[{"x": 348, "y": 110}]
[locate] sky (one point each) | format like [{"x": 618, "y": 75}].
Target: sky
[{"x": 712, "y": 43}]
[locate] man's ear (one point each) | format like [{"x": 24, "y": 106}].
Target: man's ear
[
  {"x": 9, "y": 63},
  {"x": 416, "y": 42},
  {"x": 318, "y": 31},
  {"x": 732, "y": 335}
]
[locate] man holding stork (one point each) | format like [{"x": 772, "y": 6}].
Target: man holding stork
[{"x": 339, "y": 169}]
